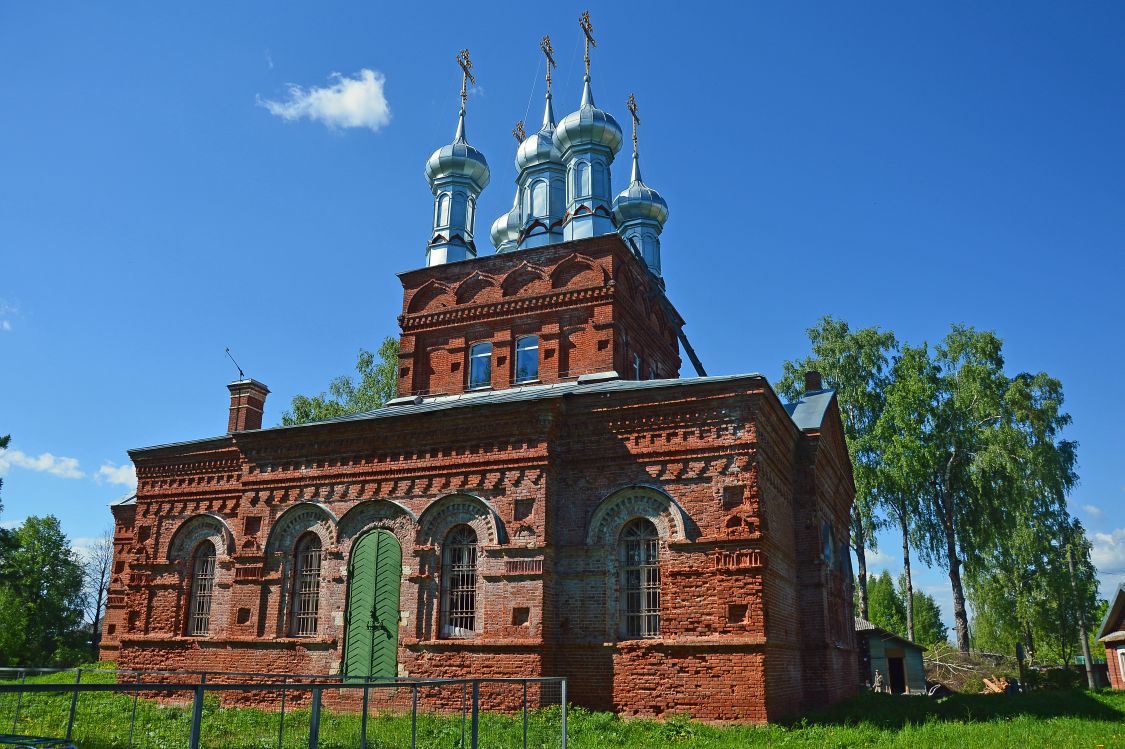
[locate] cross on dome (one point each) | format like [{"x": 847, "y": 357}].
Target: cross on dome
[{"x": 588, "y": 31}]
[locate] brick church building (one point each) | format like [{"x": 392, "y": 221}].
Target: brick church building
[{"x": 546, "y": 496}]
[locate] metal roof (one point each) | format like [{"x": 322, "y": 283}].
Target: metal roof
[
  {"x": 807, "y": 412},
  {"x": 862, "y": 626},
  {"x": 1113, "y": 613},
  {"x": 128, "y": 499}
]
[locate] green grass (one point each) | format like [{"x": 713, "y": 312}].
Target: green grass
[{"x": 1073, "y": 718}]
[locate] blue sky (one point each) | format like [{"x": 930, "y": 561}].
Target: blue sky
[{"x": 902, "y": 165}]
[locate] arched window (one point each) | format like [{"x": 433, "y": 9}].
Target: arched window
[
  {"x": 582, "y": 179},
  {"x": 599, "y": 188},
  {"x": 441, "y": 217},
  {"x": 639, "y": 553},
  {"x": 459, "y": 580},
  {"x": 471, "y": 217},
  {"x": 527, "y": 359},
  {"x": 306, "y": 586},
  {"x": 480, "y": 365},
  {"x": 539, "y": 198},
  {"x": 202, "y": 583}
]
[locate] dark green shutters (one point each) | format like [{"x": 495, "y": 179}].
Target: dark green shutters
[{"x": 375, "y": 574}]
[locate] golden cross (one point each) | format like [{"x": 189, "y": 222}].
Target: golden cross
[
  {"x": 466, "y": 73},
  {"x": 588, "y": 30},
  {"x": 519, "y": 132},
  {"x": 549, "y": 51},
  {"x": 631, "y": 105}
]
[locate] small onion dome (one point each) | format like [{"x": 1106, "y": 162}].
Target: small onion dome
[
  {"x": 638, "y": 201},
  {"x": 589, "y": 125},
  {"x": 539, "y": 148},
  {"x": 458, "y": 159},
  {"x": 506, "y": 229}
]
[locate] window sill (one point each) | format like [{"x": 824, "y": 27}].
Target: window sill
[
  {"x": 536, "y": 381},
  {"x": 478, "y": 389}
]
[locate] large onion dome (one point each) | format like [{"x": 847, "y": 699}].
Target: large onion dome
[
  {"x": 589, "y": 126},
  {"x": 458, "y": 159}
]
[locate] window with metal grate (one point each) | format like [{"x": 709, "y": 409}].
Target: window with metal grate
[
  {"x": 202, "y": 583},
  {"x": 639, "y": 550},
  {"x": 459, "y": 577},
  {"x": 306, "y": 586}
]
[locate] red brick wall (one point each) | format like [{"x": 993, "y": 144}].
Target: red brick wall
[
  {"x": 591, "y": 303},
  {"x": 730, "y": 648}
]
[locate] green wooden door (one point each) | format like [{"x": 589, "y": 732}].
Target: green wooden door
[{"x": 371, "y": 638}]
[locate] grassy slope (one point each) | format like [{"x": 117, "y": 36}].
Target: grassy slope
[{"x": 1044, "y": 719}]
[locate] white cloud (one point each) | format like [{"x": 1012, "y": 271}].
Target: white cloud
[
  {"x": 1092, "y": 510},
  {"x": 10, "y": 525},
  {"x": 347, "y": 102},
  {"x": 1108, "y": 554},
  {"x": 125, "y": 475},
  {"x": 55, "y": 465},
  {"x": 5, "y": 325}
]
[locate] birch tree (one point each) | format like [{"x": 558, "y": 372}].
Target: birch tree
[{"x": 856, "y": 365}]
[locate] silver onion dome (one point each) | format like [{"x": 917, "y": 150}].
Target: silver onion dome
[
  {"x": 505, "y": 231},
  {"x": 539, "y": 148},
  {"x": 638, "y": 201},
  {"x": 458, "y": 159},
  {"x": 589, "y": 125}
]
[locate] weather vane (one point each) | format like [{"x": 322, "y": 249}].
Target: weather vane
[
  {"x": 549, "y": 51},
  {"x": 466, "y": 74},
  {"x": 588, "y": 30},
  {"x": 632, "y": 107},
  {"x": 519, "y": 132}
]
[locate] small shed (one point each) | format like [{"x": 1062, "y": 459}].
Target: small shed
[
  {"x": 897, "y": 660},
  {"x": 1112, "y": 634}
]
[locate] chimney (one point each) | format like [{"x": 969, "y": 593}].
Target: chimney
[
  {"x": 812, "y": 381},
  {"x": 247, "y": 402}
]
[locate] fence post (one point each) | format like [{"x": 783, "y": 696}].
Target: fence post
[
  {"x": 19, "y": 701},
  {"x": 363, "y": 720},
  {"x": 413, "y": 715},
  {"x": 196, "y": 716},
  {"x": 474, "y": 729},
  {"x": 73, "y": 703},
  {"x": 464, "y": 690},
  {"x": 133, "y": 716},
  {"x": 563, "y": 692},
  {"x": 525, "y": 714},
  {"x": 281, "y": 723},
  {"x": 314, "y": 720}
]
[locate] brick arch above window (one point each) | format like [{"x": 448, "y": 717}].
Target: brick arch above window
[
  {"x": 623, "y": 505},
  {"x": 457, "y": 509},
  {"x": 197, "y": 529},
  {"x": 294, "y": 522}
]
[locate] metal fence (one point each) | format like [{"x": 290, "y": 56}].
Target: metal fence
[{"x": 94, "y": 708}]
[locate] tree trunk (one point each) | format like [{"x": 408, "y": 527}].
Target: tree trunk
[
  {"x": 861, "y": 558},
  {"x": 96, "y": 634},
  {"x": 960, "y": 614},
  {"x": 1083, "y": 638},
  {"x": 906, "y": 573}
]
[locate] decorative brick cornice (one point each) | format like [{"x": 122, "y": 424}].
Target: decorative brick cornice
[{"x": 471, "y": 313}]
